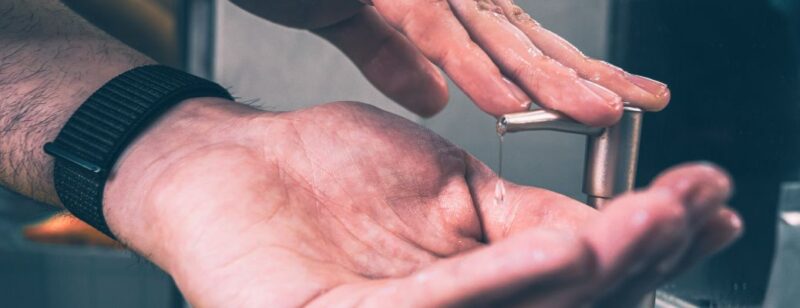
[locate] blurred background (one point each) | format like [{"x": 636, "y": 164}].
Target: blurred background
[{"x": 732, "y": 66}]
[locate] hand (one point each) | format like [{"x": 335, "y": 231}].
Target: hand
[
  {"x": 347, "y": 205},
  {"x": 496, "y": 53}
]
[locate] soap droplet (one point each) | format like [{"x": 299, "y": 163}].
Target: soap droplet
[{"x": 499, "y": 193}]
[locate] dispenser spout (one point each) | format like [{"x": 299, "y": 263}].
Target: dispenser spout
[
  {"x": 611, "y": 152},
  {"x": 543, "y": 120}
]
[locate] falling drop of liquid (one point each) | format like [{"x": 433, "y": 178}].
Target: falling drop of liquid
[
  {"x": 499, "y": 193},
  {"x": 499, "y": 187}
]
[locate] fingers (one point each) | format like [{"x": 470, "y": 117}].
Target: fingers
[
  {"x": 390, "y": 62},
  {"x": 529, "y": 264},
  {"x": 672, "y": 215},
  {"x": 698, "y": 185},
  {"x": 551, "y": 84},
  {"x": 634, "y": 233},
  {"x": 639, "y": 240},
  {"x": 435, "y": 31},
  {"x": 719, "y": 232},
  {"x": 510, "y": 44},
  {"x": 721, "y": 229},
  {"x": 539, "y": 63},
  {"x": 637, "y": 90}
]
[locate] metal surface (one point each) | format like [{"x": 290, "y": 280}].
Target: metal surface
[
  {"x": 783, "y": 282},
  {"x": 596, "y": 202},
  {"x": 543, "y": 120},
  {"x": 666, "y": 300},
  {"x": 611, "y": 158}
]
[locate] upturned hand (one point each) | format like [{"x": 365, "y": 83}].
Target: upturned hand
[{"x": 346, "y": 205}]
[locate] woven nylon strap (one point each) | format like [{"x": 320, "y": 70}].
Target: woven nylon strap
[{"x": 99, "y": 131}]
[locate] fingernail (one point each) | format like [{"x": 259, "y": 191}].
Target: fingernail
[
  {"x": 611, "y": 98},
  {"x": 519, "y": 95},
  {"x": 723, "y": 181},
  {"x": 734, "y": 232},
  {"x": 736, "y": 223},
  {"x": 654, "y": 87}
]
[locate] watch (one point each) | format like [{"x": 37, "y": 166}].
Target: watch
[{"x": 94, "y": 137}]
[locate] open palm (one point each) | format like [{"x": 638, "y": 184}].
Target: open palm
[{"x": 346, "y": 205}]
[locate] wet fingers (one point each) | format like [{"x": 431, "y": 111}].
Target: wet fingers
[
  {"x": 551, "y": 84},
  {"x": 637, "y": 90},
  {"x": 693, "y": 194}
]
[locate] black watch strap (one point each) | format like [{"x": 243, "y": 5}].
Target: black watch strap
[{"x": 99, "y": 131}]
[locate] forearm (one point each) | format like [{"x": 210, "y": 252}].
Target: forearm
[{"x": 51, "y": 60}]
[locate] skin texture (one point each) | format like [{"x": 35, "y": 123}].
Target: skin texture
[
  {"x": 494, "y": 51},
  {"x": 346, "y": 205},
  {"x": 341, "y": 204}
]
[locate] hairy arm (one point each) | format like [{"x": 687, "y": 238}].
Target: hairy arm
[{"x": 51, "y": 60}]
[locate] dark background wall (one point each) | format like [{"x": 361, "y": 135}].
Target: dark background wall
[{"x": 732, "y": 68}]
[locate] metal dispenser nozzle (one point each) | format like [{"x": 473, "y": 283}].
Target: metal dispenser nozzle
[{"x": 611, "y": 152}]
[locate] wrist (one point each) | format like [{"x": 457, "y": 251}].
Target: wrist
[{"x": 188, "y": 128}]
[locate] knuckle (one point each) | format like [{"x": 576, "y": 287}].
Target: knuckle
[
  {"x": 446, "y": 59},
  {"x": 416, "y": 18},
  {"x": 520, "y": 71},
  {"x": 603, "y": 70}
]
